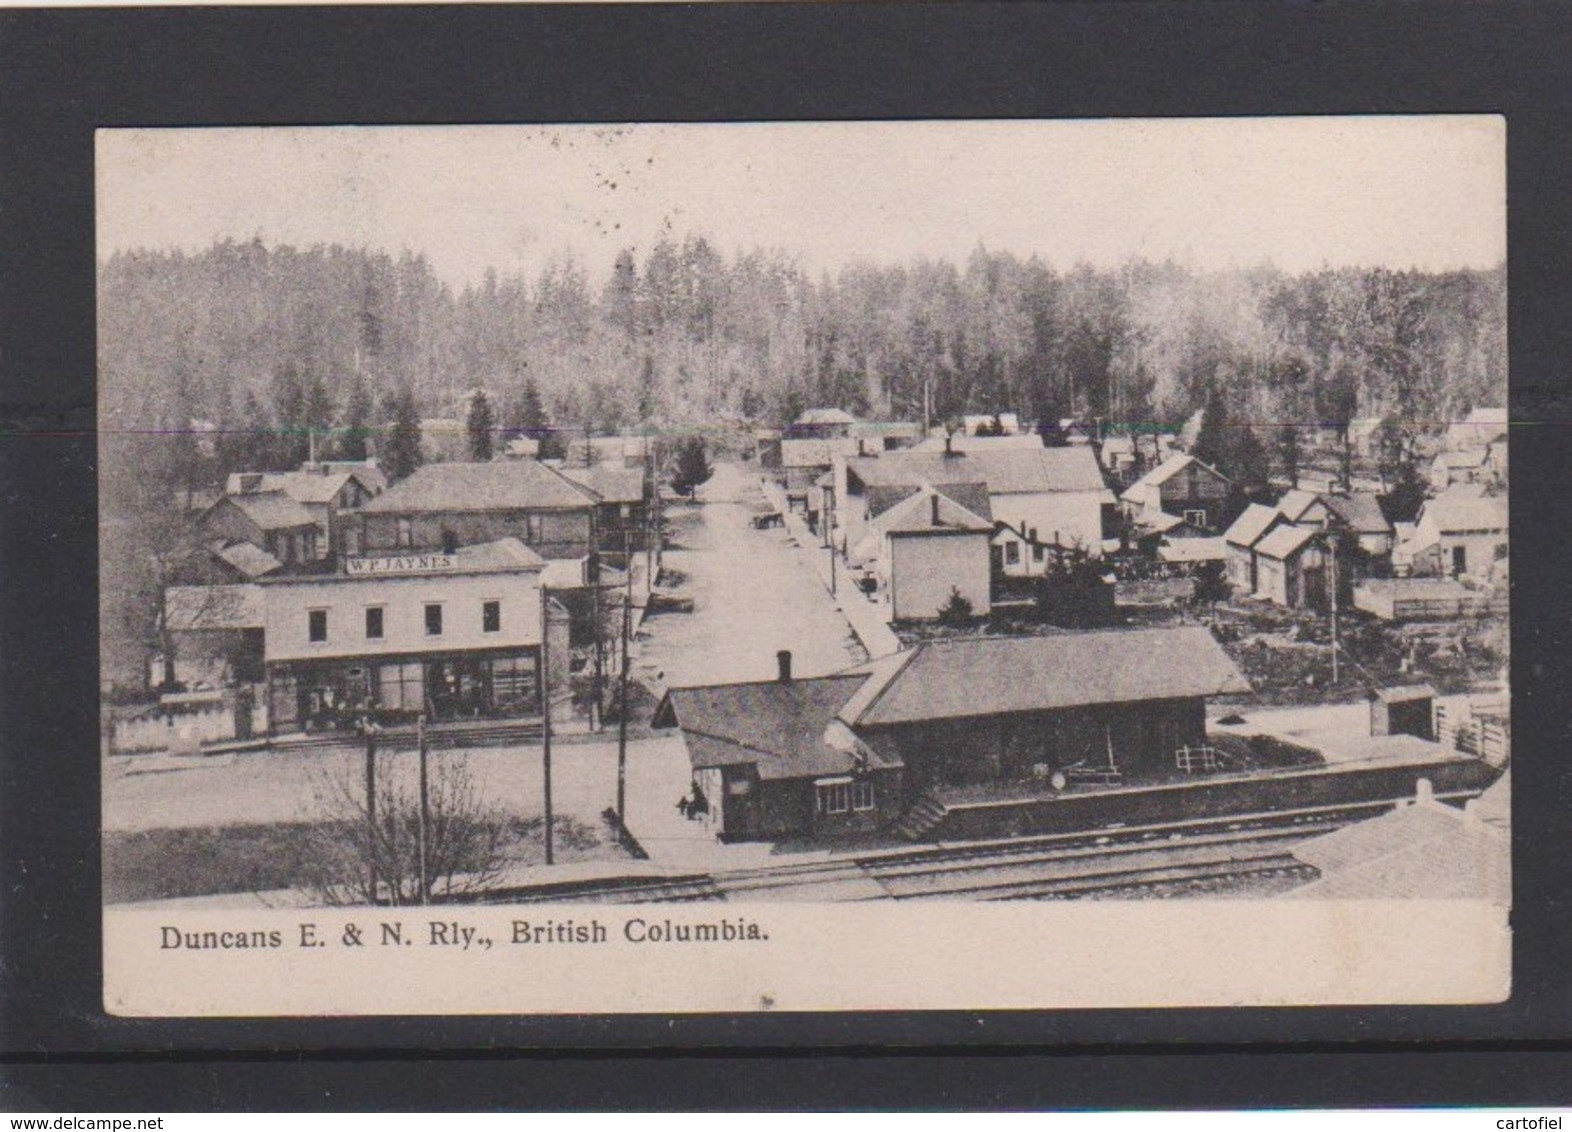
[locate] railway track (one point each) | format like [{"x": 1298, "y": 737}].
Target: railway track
[{"x": 1107, "y": 862}]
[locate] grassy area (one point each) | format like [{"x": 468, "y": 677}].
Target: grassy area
[{"x": 209, "y": 860}]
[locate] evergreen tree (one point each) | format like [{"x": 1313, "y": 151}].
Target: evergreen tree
[
  {"x": 693, "y": 466},
  {"x": 401, "y": 449},
  {"x": 1214, "y": 440},
  {"x": 481, "y": 426},
  {"x": 353, "y": 437},
  {"x": 288, "y": 446}
]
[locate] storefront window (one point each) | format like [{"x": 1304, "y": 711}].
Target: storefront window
[{"x": 401, "y": 687}]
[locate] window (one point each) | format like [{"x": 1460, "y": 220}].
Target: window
[
  {"x": 513, "y": 683},
  {"x": 491, "y": 616},
  {"x": 1012, "y": 553},
  {"x": 401, "y": 687},
  {"x": 406, "y": 534},
  {"x": 840, "y": 795},
  {"x": 534, "y": 529},
  {"x": 434, "y": 619},
  {"x": 1039, "y": 552},
  {"x": 316, "y": 625},
  {"x": 1196, "y": 518},
  {"x": 374, "y": 623}
]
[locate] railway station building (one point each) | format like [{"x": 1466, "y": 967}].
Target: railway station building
[{"x": 860, "y": 749}]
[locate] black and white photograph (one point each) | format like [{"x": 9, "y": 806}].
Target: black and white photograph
[{"x": 724, "y": 566}]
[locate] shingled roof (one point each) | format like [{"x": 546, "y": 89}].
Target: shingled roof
[
  {"x": 1006, "y": 471},
  {"x": 611, "y": 483},
  {"x": 916, "y": 515},
  {"x": 269, "y": 510},
  {"x": 500, "y": 485},
  {"x": 782, "y": 727},
  {"x": 1001, "y": 675},
  {"x": 1252, "y": 523}
]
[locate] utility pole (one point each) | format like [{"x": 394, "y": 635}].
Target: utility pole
[
  {"x": 425, "y": 812},
  {"x": 622, "y": 712},
  {"x": 597, "y": 703},
  {"x": 1332, "y": 549},
  {"x": 371, "y": 808},
  {"x": 545, "y": 712}
]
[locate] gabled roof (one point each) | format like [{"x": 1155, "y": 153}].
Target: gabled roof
[
  {"x": 979, "y": 676},
  {"x": 915, "y": 515},
  {"x": 611, "y": 483},
  {"x": 205, "y": 608},
  {"x": 368, "y": 472},
  {"x": 499, "y": 485},
  {"x": 1007, "y": 471},
  {"x": 971, "y": 495},
  {"x": 1283, "y": 542},
  {"x": 1295, "y": 502},
  {"x": 1361, "y": 512},
  {"x": 1253, "y": 523},
  {"x": 964, "y": 443},
  {"x": 303, "y": 486},
  {"x": 1455, "y": 513},
  {"x": 269, "y": 510},
  {"x": 1424, "y": 850},
  {"x": 783, "y": 728},
  {"x": 248, "y": 558},
  {"x": 1166, "y": 471}
]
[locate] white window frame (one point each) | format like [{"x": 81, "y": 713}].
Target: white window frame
[
  {"x": 1012, "y": 553},
  {"x": 1195, "y": 516},
  {"x": 310, "y": 619},
  {"x": 497, "y": 601},
  {"x": 863, "y": 798},
  {"x": 366, "y": 623},
  {"x": 425, "y": 618}
]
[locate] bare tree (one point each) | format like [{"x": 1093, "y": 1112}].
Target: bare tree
[{"x": 466, "y": 838}]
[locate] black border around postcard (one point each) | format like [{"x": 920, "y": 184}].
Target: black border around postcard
[{"x": 69, "y": 72}]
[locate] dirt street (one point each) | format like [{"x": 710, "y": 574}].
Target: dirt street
[{"x": 750, "y": 595}]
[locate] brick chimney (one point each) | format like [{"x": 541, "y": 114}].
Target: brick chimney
[{"x": 783, "y": 665}]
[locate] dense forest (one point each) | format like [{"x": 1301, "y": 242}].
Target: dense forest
[
  {"x": 257, "y": 338},
  {"x": 283, "y": 349}
]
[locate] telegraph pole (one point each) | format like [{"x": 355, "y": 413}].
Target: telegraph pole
[
  {"x": 425, "y": 812},
  {"x": 545, "y": 713},
  {"x": 1332, "y": 547},
  {"x": 622, "y": 713},
  {"x": 371, "y": 808}
]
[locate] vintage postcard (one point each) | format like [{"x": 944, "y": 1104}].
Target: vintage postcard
[{"x": 804, "y": 566}]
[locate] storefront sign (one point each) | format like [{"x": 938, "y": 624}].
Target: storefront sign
[{"x": 401, "y": 564}]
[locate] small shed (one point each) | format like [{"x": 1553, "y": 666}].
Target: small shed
[{"x": 1407, "y": 710}]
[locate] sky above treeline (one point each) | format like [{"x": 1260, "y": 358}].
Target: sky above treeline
[{"x": 1425, "y": 192}]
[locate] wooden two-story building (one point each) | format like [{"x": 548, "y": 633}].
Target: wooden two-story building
[{"x": 441, "y": 507}]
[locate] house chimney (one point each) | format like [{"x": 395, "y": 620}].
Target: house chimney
[
  {"x": 934, "y": 502},
  {"x": 948, "y": 451},
  {"x": 783, "y": 663}
]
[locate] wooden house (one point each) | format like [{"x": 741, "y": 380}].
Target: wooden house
[
  {"x": 925, "y": 549},
  {"x": 1291, "y": 567},
  {"x": 1184, "y": 487},
  {"x": 269, "y": 520},
  {"x": 440, "y": 507},
  {"x": 1240, "y": 540}
]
